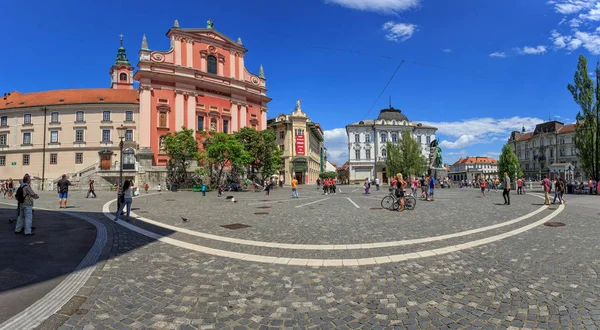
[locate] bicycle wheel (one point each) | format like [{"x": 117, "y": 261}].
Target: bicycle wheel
[
  {"x": 410, "y": 202},
  {"x": 387, "y": 202},
  {"x": 396, "y": 206}
]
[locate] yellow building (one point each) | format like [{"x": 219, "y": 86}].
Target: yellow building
[{"x": 302, "y": 143}]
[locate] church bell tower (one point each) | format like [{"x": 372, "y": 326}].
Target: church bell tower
[{"x": 121, "y": 72}]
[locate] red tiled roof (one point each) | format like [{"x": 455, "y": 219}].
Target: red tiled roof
[
  {"x": 472, "y": 160},
  {"x": 68, "y": 96},
  {"x": 567, "y": 129},
  {"x": 525, "y": 137}
]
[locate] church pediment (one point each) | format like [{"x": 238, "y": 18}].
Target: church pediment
[{"x": 208, "y": 34}]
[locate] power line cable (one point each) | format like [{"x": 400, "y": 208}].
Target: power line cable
[{"x": 384, "y": 88}]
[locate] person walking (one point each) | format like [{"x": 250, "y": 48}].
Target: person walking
[
  {"x": 482, "y": 184},
  {"x": 415, "y": 184},
  {"x": 294, "y": 188},
  {"x": 268, "y": 187},
  {"x": 400, "y": 190},
  {"x": 431, "y": 189},
  {"x": 557, "y": 191},
  {"x": 423, "y": 187},
  {"x": 63, "y": 191},
  {"x": 146, "y": 187},
  {"x": 126, "y": 198},
  {"x": 91, "y": 189},
  {"x": 519, "y": 186},
  {"x": 11, "y": 187},
  {"x": 546, "y": 185},
  {"x": 377, "y": 184},
  {"x": 506, "y": 191},
  {"x": 562, "y": 193},
  {"x": 25, "y": 199},
  {"x": 367, "y": 186},
  {"x": 523, "y": 185},
  {"x": 159, "y": 188}
]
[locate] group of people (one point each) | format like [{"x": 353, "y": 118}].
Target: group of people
[
  {"x": 329, "y": 186},
  {"x": 559, "y": 190},
  {"x": 7, "y": 189}
]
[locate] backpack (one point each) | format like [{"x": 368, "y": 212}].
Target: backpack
[{"x": 20, "y": 195}]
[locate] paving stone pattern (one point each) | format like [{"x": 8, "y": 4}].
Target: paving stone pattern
[{"x": 544, "y": 278}]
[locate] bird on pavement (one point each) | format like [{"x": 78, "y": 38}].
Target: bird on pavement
[{"x": 185, "y": 219}]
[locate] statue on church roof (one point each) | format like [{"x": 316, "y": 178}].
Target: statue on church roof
[
  {"x": 176, "y": 24},
  {"x": 210, "y": 24},
  {"x": 239, "y": 41},
  {"x": 144, "y": 42},
  {"x": 298, "y": 106}
]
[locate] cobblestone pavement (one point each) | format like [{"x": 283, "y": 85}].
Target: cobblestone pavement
[{"x": 543, "y": 278}]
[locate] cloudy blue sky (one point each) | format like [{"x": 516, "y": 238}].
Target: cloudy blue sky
[{"x": 474, "y": 69}]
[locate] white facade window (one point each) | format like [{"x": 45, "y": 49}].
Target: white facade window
[
  {"x": 27, "y": 138},
  {"x": 129, "y": 135},
  {"x": 3, "y": 140},
  {"x": 26, "y": 159},
  {"x": 2, "y": 160},
  {"x": 27, "y": 118},
  {"x": 419, "y": 139},
  {"x": 368, "y": 137},
  {"x": 357, "y": 154},
  {"x": 54, "y": 117},
  {"x": 79, "y": 116},
  {"x": 79, "y": 158},
  {"x": 383, "y": 153},
  {"x": 53, "y": 136},
  {"x": 428, "y": 139},
  {"x": 357, "y": 138},
  {"x": 383, "y": 137},
  {"x": 105, "y": 135},
  {"x": 79, "y": 135},
  {"x": 105, "y": 115},
  {"x": 394, "y": 137},
  {"x": 368, "y": 154},
  {"x": 128, "y": 115},
  {"x": 3, "y": 121},
  {"x": 53, "y": 159}
]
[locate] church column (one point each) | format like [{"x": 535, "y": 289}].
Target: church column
[
  {"x": 263, "y": 119},
  {"x": 189, "y": 54},
  {"x": 145, "y": 115},
  {"x": 177, "y": 50},
  {"x": 232, "y": 64},
  {"x": 203, "y": 56},
  {"x": 241, "y": 66},
  {"x": 243, "y": 111},
  {"x": 178, "y": 109},
  {"x": 191, "y": 111},
  {"x": 234, "y": 116},
  {"x": 221, "y": 63}
]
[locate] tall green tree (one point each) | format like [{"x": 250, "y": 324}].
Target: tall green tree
[
  {"x": 587, "y": 134},
  {"x": 405, "y": 157},
  {"x": 182, "y": 149},
  {"x": 223, "y": 151},
  {"x": 265, "y": 154},
  {"x": 509, "y": 163}
]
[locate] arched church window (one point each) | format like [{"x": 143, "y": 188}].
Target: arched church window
[
  {"x": 212, "y": 64},
  {"x": 123, "y": 76},
  {"x": 383, "y": 153}
]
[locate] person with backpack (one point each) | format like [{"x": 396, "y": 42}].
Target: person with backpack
[
  {"x": 125, "y": 199},
  {"x": 25, "y": 196}
]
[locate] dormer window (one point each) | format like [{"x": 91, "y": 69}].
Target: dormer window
[
  {"x": 123, "y": 76},
  {"x": 212, "y": 64}
]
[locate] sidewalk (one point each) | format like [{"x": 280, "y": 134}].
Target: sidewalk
[{"x": 31, "y": 266}]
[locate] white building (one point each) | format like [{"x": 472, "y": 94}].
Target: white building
[
  {"x": 471, "y": 168},
  {"x": 367, "y": 142},
  {"x": 548, "y": 150}
]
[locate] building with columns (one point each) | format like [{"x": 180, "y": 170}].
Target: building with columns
[
  {"x": 367, "y": 141},
  {"x": 302, "y": 143},
  {"x": 201, "y": 83},
  {"x": 473, "y": 168}
]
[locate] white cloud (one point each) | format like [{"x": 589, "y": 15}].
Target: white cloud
[
  {"x": 336, "y": 142},
  {"x": 568, "y": 7},
  {"x": 447, "y": 50},
  {"x": 532, "y": 50},
  {"x": 381, "y": 6},
  {"x": 473, "y": 131},
  {"x": 398, "y": 32},
  {"x": 498, "y": 54},
  {"x": 461, "y": 142},
  {"x": 583, "y": 17}
]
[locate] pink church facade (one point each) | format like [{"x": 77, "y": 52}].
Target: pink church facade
[{"x": 200, "y": 83}]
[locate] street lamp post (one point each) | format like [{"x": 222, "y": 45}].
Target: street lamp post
[{"x": 121, "y": 132}]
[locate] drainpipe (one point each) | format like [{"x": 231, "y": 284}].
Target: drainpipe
[
  {"x": 44, "y": 151},
  {"x": 375, "y": 153}
]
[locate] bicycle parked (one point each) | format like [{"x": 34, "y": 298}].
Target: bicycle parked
[{"x": 392, "y": 203}]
